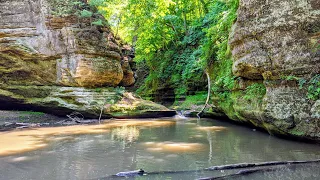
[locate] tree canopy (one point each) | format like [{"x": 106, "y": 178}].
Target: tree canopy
[{"x": 177, "y": 39}]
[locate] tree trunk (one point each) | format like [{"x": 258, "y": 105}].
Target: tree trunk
[{"x": 208, "y": 95}]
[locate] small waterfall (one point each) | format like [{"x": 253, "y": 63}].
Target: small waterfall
[{"x": 180, "y": 115}]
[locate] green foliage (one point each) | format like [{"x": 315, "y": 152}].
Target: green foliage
[
  {"x": 222, "y": 16},
  {"x": 216, "y": 50},
  {"x": 314, "y": 87},
  {"x": 120, "y": 90},
  {"x": 290, "y": 78},
  {"x": 31, "y": 113},
  {"x": 99, "y": 22},
  {"x": 178, "y": 40},
  {"x": 85, "y": 13},
  {"x": 255, "y": 91},
  {"x": 82, "y": 10},
  {"x": 96, "y": 3},
  {"x": 297, "y": 132},
  {"x": 181, "y": 62},
  {"x": 302, "y": 82},
  {"x": 64, "y": 7},
  {"x": 192, "y": 100},
  {"x": 98, "y": 90}
]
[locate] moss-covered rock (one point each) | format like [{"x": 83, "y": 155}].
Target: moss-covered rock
[
  {"x": 90, "y": 102},
  {"x": 276, "y": 65},
  {"x": 132, "y": 106}
]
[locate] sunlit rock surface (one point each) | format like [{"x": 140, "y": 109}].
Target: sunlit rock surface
[
  {"x": 61, "y": 63},
  {"x": 38, "y": 48},
  {"x": 128, "y": 66},
  {"x": 276, "y": 43}
]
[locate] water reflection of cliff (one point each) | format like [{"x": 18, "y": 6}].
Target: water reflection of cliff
[{"x": 126, "y": 134}]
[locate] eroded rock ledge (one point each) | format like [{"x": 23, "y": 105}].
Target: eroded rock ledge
[
  {"x": 59, "y": 63},
  {"x": 61, "y": 101}
]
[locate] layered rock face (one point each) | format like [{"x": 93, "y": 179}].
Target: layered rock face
[
  {"x": 44, "y": 46},
  {"x": 46, "y": 49},
  {"x": 61, "y": 101},
  {"x": 128, "y": 66},
  {"x": 277, "y": 43}
]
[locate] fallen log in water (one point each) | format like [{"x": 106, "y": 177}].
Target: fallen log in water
[
  {"x": 243, "y": 172},
  {"x": 248, "y": 165},
  {"x": 255, "y": 167},
  {"x": 249, "y": 169}
]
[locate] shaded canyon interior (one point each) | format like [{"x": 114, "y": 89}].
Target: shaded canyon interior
[{"x": 60, "y": 64}]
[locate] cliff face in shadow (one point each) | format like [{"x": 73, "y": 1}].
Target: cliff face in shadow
[
  {"x": 276, "y": 50},
  {"x": 49, "y": 46}
]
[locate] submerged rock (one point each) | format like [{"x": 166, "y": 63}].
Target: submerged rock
[{"x": 131, "y": 173}]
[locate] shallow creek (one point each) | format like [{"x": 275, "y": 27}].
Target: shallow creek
[{"x": 98, "y": 151}]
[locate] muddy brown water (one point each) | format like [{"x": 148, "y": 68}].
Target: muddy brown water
[{"x": 98, "y": 151}]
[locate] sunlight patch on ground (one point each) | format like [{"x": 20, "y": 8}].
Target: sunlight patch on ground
[
  {"x": 20, "y": 141},
  {"x": 211, "y": 128},
  {"x": 173, "y": 146}
]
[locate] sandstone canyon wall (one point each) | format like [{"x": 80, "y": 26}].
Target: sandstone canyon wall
[
  {"x": 53, "y": 60},
  {"x": 275, "y": 44}
]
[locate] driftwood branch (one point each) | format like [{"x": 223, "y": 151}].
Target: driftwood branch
[
  {"x": 208, "y": 95},
  {"x": 76, "y": 117},
  {"x": 248, "y": 168},
  {"x": 242, "y": 173},
  {"x": 253, "y": 168},
  {"x": 249, "y": 165}
]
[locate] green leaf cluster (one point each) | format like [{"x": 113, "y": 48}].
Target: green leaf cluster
[
  {"x": 255, "y": 91},
  {"x": 217, "y": 55},
  {"x": 192, "y": 101},
  {"x": 85, "y": 13},
  {"x": 314, "y": 87},
  {"x": 65, "y": 7}
]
